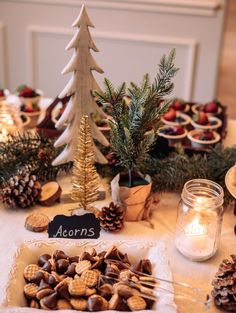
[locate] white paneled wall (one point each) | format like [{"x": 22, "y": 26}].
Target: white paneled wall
[{"x": 131, "y": 36}]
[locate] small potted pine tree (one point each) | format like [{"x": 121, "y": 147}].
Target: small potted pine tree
[{"x": 134, "y": 129}]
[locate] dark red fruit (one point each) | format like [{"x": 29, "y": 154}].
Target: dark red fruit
[
  {"x": 211, "y": 107},
  {"x": 206, "y": 135},
  {"x": 170, "y": 115},
  {"x": 178, "y": 105},
  {"x": 2, "y": 93},
  {"x": 178, "y": 130},
  {"x": 28, "y": 92},
  {"x": 201, "y": 118}
]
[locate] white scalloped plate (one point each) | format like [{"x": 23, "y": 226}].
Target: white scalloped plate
[{"x": 29, "y": 251}]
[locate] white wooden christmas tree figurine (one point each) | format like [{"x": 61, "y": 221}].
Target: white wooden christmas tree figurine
[{"x": 80, "y": 87}]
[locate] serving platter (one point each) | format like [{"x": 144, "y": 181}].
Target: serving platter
[{"x": 29, "y": 251}]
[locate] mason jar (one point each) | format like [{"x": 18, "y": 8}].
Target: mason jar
[
  {"x": 10, "y": 120},
  {"x": 199, "y": 219}
]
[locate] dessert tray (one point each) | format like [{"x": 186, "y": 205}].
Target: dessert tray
[{"x": 29, "y": 251}]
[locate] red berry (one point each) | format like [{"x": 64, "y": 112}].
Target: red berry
[
  {"x": 211, "y": 107},
  {"x": 2, "y": 93},
  {"x": 178, "y": 105},
  {"x": 170, "y": 115},
  {"x": 201, "y": 118}
]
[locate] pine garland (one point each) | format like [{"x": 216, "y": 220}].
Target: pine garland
[
  {"x": 171, "y": 172},
  {"x": 31, "y": 152}
]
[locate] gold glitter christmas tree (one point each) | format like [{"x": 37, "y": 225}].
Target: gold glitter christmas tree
[{"x": 85, "y": 177}]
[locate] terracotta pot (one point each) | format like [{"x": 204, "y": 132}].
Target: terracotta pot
[{"x": 133, "y": 198}]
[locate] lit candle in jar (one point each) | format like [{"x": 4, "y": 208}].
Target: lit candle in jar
[
  {"x": 195, "y": 242},
  {"x": 199, "y": 220}
]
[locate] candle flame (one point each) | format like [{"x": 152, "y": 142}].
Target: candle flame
[{"x": 195, "y": 228}]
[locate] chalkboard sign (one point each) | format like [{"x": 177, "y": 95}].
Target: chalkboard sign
[{"x": 85, "y": 226}]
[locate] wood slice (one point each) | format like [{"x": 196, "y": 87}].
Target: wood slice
[
  {"x": 37, "y": 222},
  {"x": 50, "y": 193}
]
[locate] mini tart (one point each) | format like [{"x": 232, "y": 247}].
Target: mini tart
[
  {"x": 33, "y": 100},
  {"x": 202, "y": 143},
  {"x": 169, "y": 136},
  {"x": 199, "y": 107},
  {"x": 217, "y": 124},
  {"x": 185, "y": 117}
]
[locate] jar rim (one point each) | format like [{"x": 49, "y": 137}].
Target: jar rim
[{"x": 196, "y": 189}]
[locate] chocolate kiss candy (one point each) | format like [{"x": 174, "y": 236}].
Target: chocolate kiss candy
[
  {"x": 71, "y": 270},
  {"x": 43, "y": 259},
  {"x": 58, "y": 254},
  {"x": 147, "y": 266},
  {"x": 106, "y": 291},
  {"x": 50, "y": 301},
  {"x": 75, "y": 259},
  {"x": 47, "y": 267},
  {"x": 92, "y": 251},
  {"x": 62, "y": 265},
  {"x": 122, "y": 306},
  {"x": 43, "y": 285},
  {"x": 87, "y": 256},
  {"x": 63, "y": 292},
  {"x": 95, "y": 303},
  {"x": 97, "y": 264},
  {"x": 114, "y": 254},
  {"x": 102, "y": 254},
  {"x": 112, "y": 270},
  {"x": 38, "y": 276},
  {"x": 52, "y": 281},
  {"x": 138, "y": 267}
]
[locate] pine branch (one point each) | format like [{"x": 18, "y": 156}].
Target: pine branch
[
  {"x": 32, "y": 152},
  {"x": 163, "y": 84},
  {"x": 110, "y": 95},
  {"x": 134, "y": 126}
]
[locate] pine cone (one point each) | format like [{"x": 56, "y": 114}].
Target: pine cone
[
  {"x": 112, "y": 217},
  {"x": 22, "y": 191},
  {"x": 224, "y": 283}
]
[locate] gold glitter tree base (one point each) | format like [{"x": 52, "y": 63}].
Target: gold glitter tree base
[{"x": 85, "y": 177}]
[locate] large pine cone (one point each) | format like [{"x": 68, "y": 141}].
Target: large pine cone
[
  {"x": 224, "y": 283},
  {"x": 112, "y": 217},
  {"x": 22, "y": 191}
]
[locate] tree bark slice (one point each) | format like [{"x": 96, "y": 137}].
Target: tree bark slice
[{"x": 51, "y": 193}]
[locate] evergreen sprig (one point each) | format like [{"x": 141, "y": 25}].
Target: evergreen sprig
[
  {"x": 32, "y": 152},
  {"x": 134, "y": 125},
  {"x": 163, "y": 82}
]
